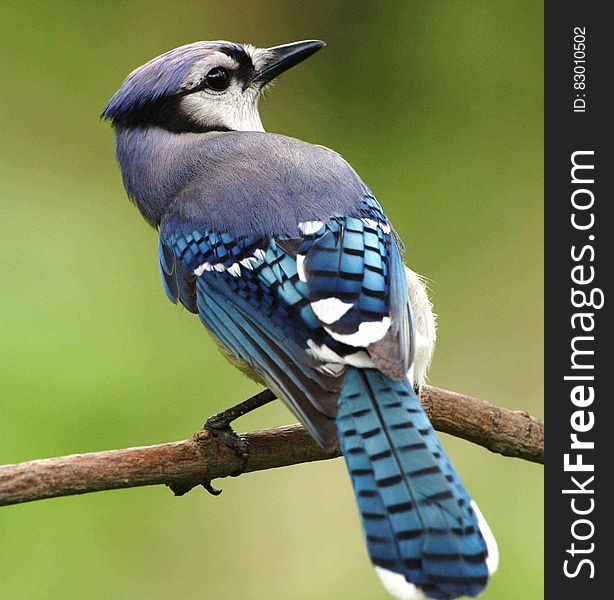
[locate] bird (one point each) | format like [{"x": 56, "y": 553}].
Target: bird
[{"x": 294, "y": 269}]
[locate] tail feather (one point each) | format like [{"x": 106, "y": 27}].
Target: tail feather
[{"x": 416, "y": 514}]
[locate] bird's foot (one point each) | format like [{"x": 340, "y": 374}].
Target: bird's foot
[
  {"x": 222, "y": 430},
  {"x": 219, "y": 427}
]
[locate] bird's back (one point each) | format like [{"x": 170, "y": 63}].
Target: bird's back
[{"x": 263, "y": 183}]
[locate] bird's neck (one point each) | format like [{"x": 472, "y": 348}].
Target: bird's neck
[{"x": 155, "y": 164}]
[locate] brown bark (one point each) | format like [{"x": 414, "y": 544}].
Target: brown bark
[{"x": 185, "y": 464}]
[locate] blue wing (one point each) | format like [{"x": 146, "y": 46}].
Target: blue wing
[
  {"x": 297, "y": 311},
  {"x": 358, "y": 287}
]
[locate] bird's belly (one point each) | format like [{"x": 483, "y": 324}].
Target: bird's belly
[
  {"x": 240, "y": 364},
  {"x": 425, "y": 332}
]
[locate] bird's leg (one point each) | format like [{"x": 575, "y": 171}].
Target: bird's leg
[
  {"x": 219, "y": 426},
  {"x": 222, "y": 420}
]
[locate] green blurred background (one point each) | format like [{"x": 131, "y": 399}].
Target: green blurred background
[{"x": 438, "y": 105}]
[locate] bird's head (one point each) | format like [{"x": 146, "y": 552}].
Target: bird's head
[{"x": 204, "y": 86}]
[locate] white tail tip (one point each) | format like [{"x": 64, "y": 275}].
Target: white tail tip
[{"x": 492, "y": 561}]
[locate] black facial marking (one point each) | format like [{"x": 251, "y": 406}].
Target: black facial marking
[
  {"x": 238, "y": 53},
  {"x": 166, "y": 112},
  {"x": 245, "y": 70}
]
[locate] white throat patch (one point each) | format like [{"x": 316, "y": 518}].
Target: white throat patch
[{"x": 234, "y": 109}]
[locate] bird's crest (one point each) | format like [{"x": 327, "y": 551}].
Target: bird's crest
[{"x": 161, "y": 77}]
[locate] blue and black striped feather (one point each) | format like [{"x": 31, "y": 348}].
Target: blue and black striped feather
[
  {"x": 262, "y": 317},
  {"x": 268, "y": 320},
  {"x": 394, "y": 354},
  {"x": 311, "y": 395},
  {"x": 348, "y": 260},
  {"x": 357, "y": 260},
  {"x": 416, "y": 514}
]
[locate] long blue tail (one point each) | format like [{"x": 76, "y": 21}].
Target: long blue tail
[{"x": 417, "y": 516}]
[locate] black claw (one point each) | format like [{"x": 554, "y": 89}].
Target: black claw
[{"x": 213, "y": 491}]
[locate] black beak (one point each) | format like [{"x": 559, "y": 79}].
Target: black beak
[{"x": 281, "y": 58}]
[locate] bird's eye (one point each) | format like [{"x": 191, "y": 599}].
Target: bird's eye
[{"x": 217, "y": 79}]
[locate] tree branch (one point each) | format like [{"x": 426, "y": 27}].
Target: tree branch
[{"x": 185, "y": 464}]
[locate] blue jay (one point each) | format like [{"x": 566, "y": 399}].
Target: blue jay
[{"x": 293, "y": 267}]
